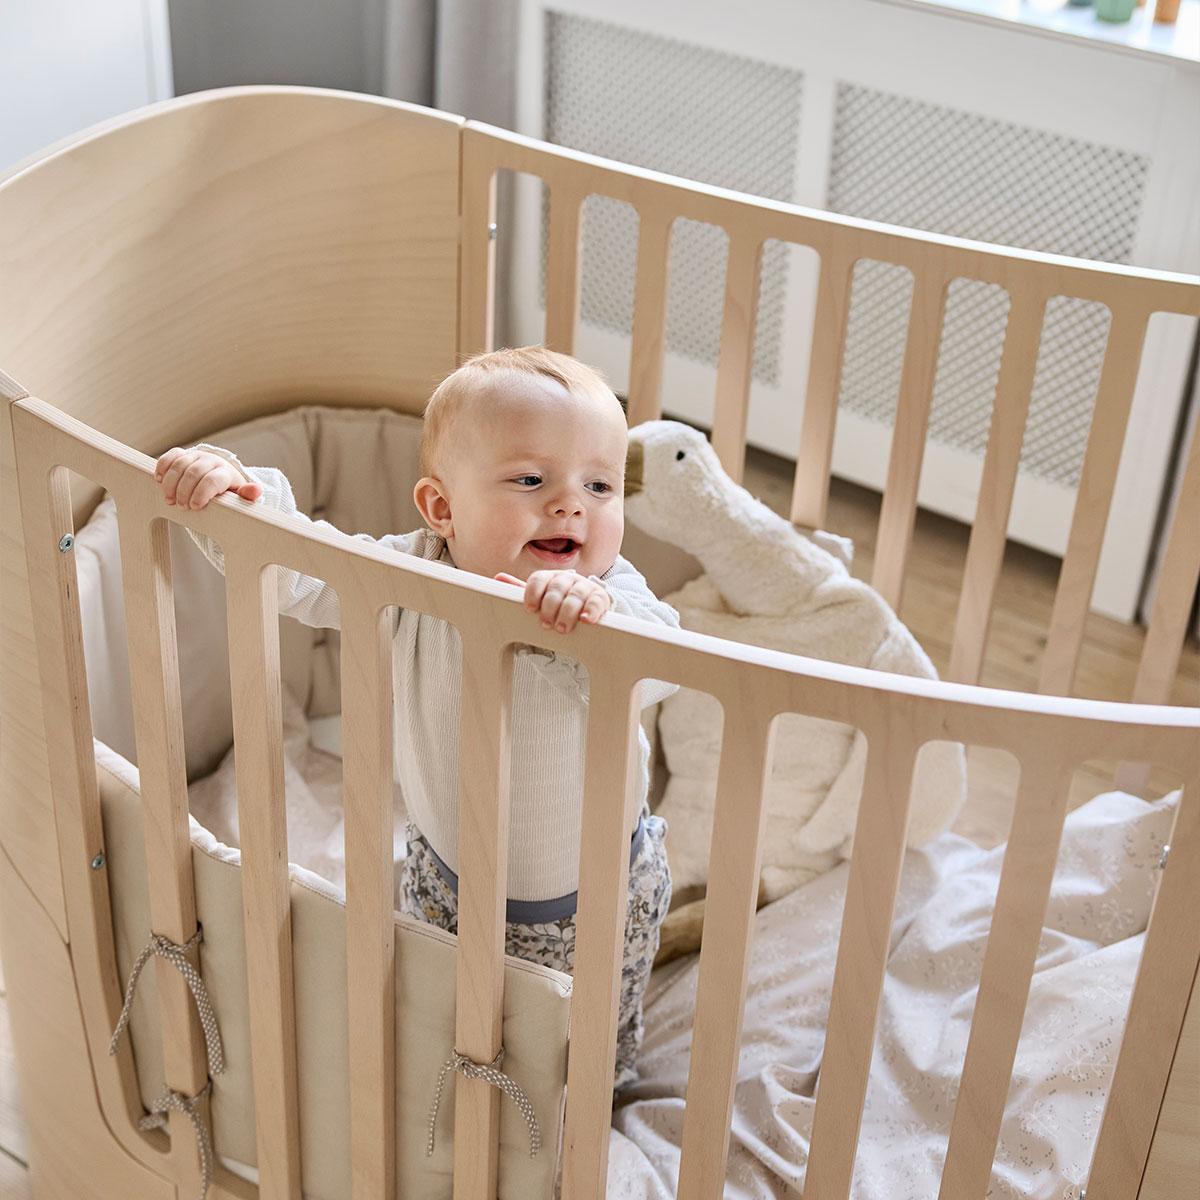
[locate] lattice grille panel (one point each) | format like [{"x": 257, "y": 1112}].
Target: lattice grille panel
[
  {"x": 702, "y": 114},
  {"x": 935, "y": 168}
]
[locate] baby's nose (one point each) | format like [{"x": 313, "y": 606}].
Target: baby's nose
[{"x": 567, "y": 506}]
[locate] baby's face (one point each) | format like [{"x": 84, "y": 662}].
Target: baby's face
[{"x": 537, "y": 481}]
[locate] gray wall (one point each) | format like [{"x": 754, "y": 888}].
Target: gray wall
[
  {"x": 457, "y": 55},
  {"x": 356, "y": 45}
]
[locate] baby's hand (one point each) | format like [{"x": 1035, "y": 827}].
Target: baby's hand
[
  {"x": 562, "y": 598},
  {"x": 191, "y": 478}
]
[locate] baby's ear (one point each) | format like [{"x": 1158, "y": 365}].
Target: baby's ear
[{"x": 433, "y": 505}]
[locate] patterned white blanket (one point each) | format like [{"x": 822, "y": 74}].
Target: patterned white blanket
[{"x": 1090, "y": 947}]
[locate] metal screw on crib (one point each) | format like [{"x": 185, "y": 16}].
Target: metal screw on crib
[
  {"x": 65, "y": 543},
  {"x": 493, "y": 231},
  {"x": 1162, "y": 858},
  {"x": 98, "y": 861}
]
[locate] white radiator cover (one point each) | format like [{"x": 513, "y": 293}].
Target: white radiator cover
[{"x": 777, "y": 100}]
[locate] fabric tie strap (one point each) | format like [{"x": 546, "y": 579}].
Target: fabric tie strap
[
  {"x": 171, "y": 1101},
  {"x": 176, "y": 955},
  {"x": 489, "y": 1074}
]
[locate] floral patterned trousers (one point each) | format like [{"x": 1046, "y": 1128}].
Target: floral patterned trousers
[{"x": 425, "y": 895}]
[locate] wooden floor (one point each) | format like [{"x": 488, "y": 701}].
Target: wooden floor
[{"x": 1107, "y": 669}]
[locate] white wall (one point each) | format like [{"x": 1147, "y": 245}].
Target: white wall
[{"x": 66, "y": 64}]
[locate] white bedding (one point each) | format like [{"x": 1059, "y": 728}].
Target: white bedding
[
  {"x": 1100, "y": 904},
  {"x": 312, "y": 781}
]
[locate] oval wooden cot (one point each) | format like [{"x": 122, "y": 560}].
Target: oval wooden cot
[{"x": 240, "y": 252}]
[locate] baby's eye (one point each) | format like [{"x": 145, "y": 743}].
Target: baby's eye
[
  {"x": 532, "y": 480},
  {"x": 600, "y": 486}
]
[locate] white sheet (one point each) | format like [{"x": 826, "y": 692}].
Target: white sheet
[
  {"x": 1087, "y": 958},
  {"x": 312, "y": 779}
]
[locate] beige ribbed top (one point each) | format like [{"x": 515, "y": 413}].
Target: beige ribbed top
[{"x": 548, "y": 720}]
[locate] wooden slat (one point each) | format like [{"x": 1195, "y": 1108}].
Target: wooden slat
[
  {"x": 894, "y": 712},
  {"x": 158, "y": 725},
  {"x": 477, "y": 265},
  {"x": 1170, "y": 959},
  {"x": 1073, "y": 596},
  {"x": 562, "y": 269},
  {"x": 649, "y": 315},
  {"x": 989, "y": 533},
  {"x": 736, "y": 360},
  {"x": 734, "y": 860},
  {"x": 609, "y": 805},
  {"x": 811, "y": 489},
  {"x": 861, "y": 960},
  {"x": 1178, "y": 574},
  {"x": 70, "y": 1142},
  {"x": 484, "y": 777},
  {"x": 899, "y": 508},
  {"x": 1008, "y": 963},
  {"x": 1177, "y": 578},
  {"x": 262, "y": 821},
  {"x": 370, "y": 931}
]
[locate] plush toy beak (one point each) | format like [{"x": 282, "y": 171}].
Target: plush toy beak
[{"x": 633, "y": 469}]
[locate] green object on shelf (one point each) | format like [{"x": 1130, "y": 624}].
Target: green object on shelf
[
  {"x": 1078, "y": 3},
  {"x": 1115, "y": 10}
]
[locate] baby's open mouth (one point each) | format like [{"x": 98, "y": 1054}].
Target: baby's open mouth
[{"x": 554, "y": 548}]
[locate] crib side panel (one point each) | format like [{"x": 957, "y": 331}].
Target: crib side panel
[
  {"x": 233, "y": 253},
  {"x": 27, "y": 832},
  {"x": 935, "y": 264},
  {"x": 62, "y": 686},
  {"x": 71, "y": 1146}
]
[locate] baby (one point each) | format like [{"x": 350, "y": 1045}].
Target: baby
[{"x": 522, "y": 465}]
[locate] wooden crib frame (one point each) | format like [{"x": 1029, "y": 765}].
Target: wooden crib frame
[{"x": 57, "y": 929}]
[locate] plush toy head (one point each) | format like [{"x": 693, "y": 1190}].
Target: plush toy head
[
  {"x": 672, "y": 474},
  {"x": 677, "y": 491},
  {"x": 767, "y": 584}
]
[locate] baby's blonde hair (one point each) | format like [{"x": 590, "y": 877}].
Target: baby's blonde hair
[{"x": 576, "y": 377}]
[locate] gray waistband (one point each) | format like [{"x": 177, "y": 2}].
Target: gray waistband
[{"x": 538, "y": 912}]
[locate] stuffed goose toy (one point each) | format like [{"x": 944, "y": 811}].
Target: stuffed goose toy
[{"x": 767, "y": 584}]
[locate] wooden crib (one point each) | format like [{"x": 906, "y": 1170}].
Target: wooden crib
[{"x": 238, "y": 252}]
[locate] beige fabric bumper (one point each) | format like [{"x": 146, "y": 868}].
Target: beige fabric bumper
[{"x": 536, "y": 1009}]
